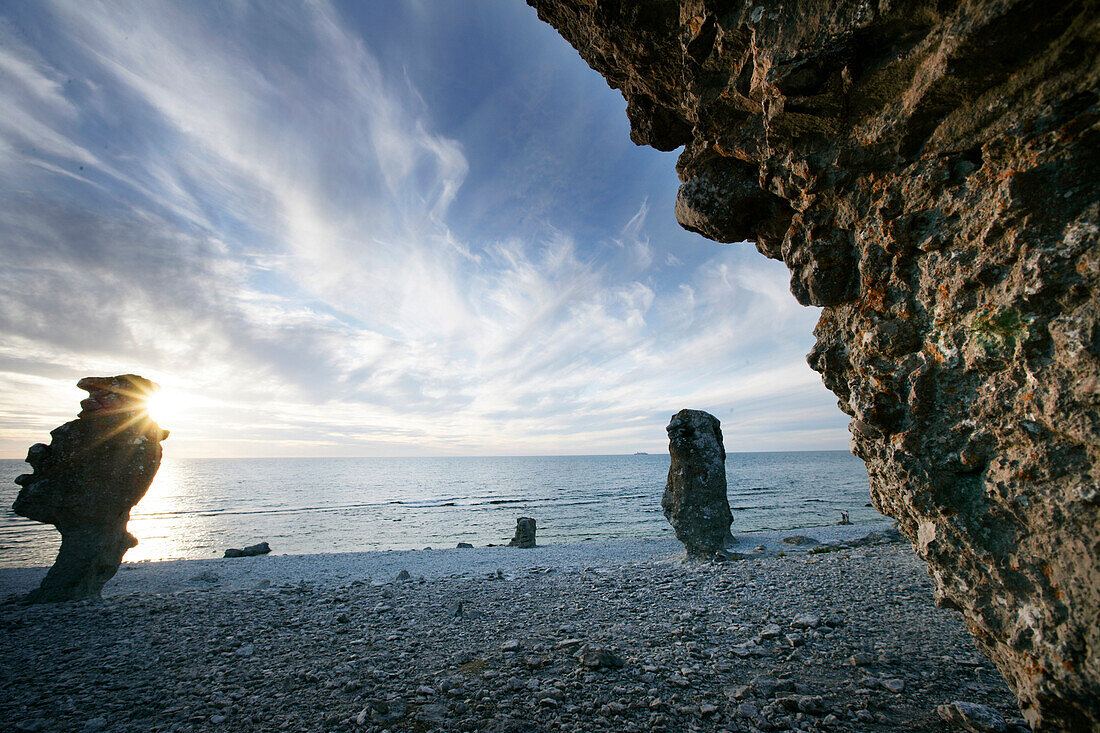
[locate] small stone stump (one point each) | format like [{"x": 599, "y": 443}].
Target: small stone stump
[
  {"x": 695, "y": 501},
  {"x": 525, "y": 533},
  {"x": 86, "y": 481}
]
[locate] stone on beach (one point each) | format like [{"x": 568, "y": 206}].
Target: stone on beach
[
  {"x": 972, "y": 717},
  {"x": 800, "y": 540},
  {"x": 694, "y": 501},
  {"x": 86, "y": 481},
  {"x": 260, "y": 548},
  {"x": 598, "y": 657},
  {"x": 525, "y": 533}
]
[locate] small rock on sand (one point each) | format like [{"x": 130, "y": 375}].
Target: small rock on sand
[
  {"x": 260, "y": 548},
  {"x": 800, "y": 540}
]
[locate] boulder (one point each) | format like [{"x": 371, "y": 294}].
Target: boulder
[
  {"x": 598, "y": 657},
  {"x": 525, "y": 533},
  {"x": 260, "y": 548},
  {"x": 86, "y": 481},
  {"x": 800, "y": 540},
  {"x": 972, "y": 717},
  {"x": 694, "y": 501},
  {"x": 927, "y": 173}
]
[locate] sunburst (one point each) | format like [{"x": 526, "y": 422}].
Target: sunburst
[{"x": 166, "y": 407}]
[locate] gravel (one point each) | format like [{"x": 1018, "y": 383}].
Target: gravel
[{"x": 613, "y": 636}]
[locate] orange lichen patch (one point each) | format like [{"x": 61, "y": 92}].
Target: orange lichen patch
[
  {"x": 874, "y": 298},
  {"x": 1073, "y": 129},
  {"x": 695, "y": 24}
]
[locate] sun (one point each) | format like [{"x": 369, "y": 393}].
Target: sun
[{"x": 166, "y": 407}]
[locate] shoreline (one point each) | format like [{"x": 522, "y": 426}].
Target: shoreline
[{"x": 376, "y": 566}]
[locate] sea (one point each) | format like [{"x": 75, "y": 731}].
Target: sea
[{"x": 196, "y": 508}]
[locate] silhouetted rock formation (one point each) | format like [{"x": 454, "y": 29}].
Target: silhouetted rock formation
[
  {"x": 525, "y": 533},
  {"x": 86, "y": 481},
  {"x": 927, "y": 171},
  {"x": 695, "y": 501},
  {"x": 260, "y": 548}
]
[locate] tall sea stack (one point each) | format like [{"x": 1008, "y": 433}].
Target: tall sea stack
[
  {"x": 927, "y": 172},
  {"x": 694, "y": 501},
  {"x": 86, "y": 481}
]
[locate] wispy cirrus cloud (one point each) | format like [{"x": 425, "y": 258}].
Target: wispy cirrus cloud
[{"x": 270, "y": 209}]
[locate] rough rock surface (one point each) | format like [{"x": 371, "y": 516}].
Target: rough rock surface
[
  {"x": 260, "y": 548},
  {"x": 525, "y": 533},
  {"x": 927, "y": 171},
  {"x": 86, "y": 481},
  {"x": 972, "y": 717},
  {"x": 694, "y": 501}
]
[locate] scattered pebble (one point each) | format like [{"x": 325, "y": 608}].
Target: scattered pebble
[{"x": 808, "y": 643}]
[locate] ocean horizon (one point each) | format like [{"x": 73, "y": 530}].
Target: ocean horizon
[{"x": 198, "y": 507}]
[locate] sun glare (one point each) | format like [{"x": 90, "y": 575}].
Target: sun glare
[{"x": 166, "y": 407}]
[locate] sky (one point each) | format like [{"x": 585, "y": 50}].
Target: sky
[{"x": 366, "y": 229}]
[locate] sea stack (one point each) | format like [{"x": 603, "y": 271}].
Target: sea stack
[
  {"x": 86, "y": 481},
  {"x": 927, "y": 173},
  {"x": 695, "y": 501},
  {"x": 525, "y": 533}
]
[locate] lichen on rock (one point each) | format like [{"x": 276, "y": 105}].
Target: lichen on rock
[
  {"x": 86, "y": 481},
  {"x": 927, "y": 172}
]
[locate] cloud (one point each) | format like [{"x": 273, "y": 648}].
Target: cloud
[{"x": 276, "y": 225}]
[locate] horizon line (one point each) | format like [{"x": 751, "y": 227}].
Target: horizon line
[{"x": 498, "y": 455}]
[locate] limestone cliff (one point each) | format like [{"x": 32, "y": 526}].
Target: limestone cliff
[{"x": 928, "y": 172}]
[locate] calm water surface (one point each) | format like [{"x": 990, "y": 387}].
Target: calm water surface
[{"x": 196, "y": 508}]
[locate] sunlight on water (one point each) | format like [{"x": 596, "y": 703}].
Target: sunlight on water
[
  {"x": 155, "y": 521},
  {"x": 196, "y": 508}
]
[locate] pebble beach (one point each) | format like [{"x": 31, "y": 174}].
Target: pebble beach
[{"x": 822, "y": 629}]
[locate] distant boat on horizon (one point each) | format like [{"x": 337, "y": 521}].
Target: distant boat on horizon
[{"x": 641, "y": 453}]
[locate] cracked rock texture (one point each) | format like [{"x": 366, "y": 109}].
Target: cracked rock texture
[
  {"x": 525, "y": 533},
  {"x": 86, "y": 481},
  {"x": 927, "y": 171},
  {"x": 695, "y": 501}
]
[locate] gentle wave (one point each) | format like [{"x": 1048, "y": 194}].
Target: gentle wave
[{"x": 196, "y": 508}]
